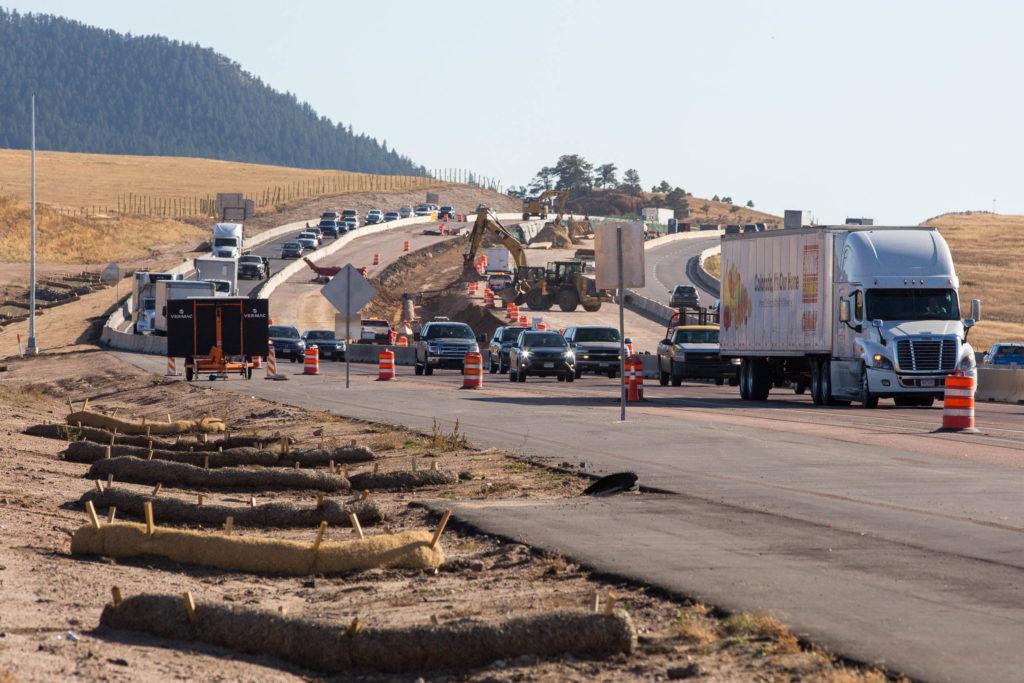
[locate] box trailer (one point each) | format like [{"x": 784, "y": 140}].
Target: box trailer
[
  {"x": 499, "y": 259},
  {"x": 177, "y": 289},
  {"x": 656, "y": 215},
  {"x": 221, "y": 270},
  {"x": 853, "y": 313}
]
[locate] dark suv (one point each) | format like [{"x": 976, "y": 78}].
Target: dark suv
[
  {"x": 497, "y": 351},
  {"x": 326, "y": 342},
  {"x": 596, "y": 348},
  {"x": 329, "y": 228},
  {"x": 443, "y": 344},
  {"x": 287, "y": 342},
  {"x": 543, "y": 354},
  {"x": 446, "y": 212},
  {"x": 684, "y": 296}
]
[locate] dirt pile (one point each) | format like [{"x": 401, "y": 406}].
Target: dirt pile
[{"x": 556, "y": 235}]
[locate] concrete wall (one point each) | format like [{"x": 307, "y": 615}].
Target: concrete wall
[
  {"x": 1002, "y": 384},
  {"x": 705, "y": 280},
  {"x": 369, "y": 353}
]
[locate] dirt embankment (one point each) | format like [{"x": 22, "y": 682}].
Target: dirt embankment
[{"x": 53, "y": 599}]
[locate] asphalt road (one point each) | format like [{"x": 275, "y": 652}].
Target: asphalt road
[
  {"x": 667, "y": 267},
  {"x": 862, "y": 529}
]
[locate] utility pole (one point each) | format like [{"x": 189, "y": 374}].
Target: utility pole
[{"x": 32, "y": 348}]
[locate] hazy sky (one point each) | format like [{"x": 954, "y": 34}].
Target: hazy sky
[{"x": 896, "y": 110}]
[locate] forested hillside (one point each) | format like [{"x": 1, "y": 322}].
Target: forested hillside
[{"x": 102, "y": 91}]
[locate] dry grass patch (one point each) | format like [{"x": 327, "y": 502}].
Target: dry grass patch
[
  {"x": 713, "y": 264},
  {"x": 92, "y": 239},
  {"x": 987, "y": 250}
]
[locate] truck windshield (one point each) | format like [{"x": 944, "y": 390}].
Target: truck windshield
[
  {"x": 282, "y": 332},
  {"x": 912, "y": 304},
  {"x": 543, "y": 341},
  {"x": 149, "y": 305},
  {"x": 695, "y": 337},
  {"x": 448, "y": 332},
  {"x": 225, "y": 242},
  {"x": 601, "y": 334},
  {"x": 319, "y": 334}
]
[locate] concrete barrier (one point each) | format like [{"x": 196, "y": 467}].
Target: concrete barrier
[
  {"x": 701, "y": 277},
  {"x": 369, "y": 353},
  {"x": 1002, "y": 384},
  {"x": 649, "y": 308}
]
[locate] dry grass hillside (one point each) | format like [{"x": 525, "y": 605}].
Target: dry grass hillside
[
  {"x": 84, "y": 181},
  {"x": 987, "y": 249},
  {"x": 87, "y": 240},
  {"x": 616, "y": 203}
]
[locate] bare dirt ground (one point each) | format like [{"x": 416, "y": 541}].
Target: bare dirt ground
[{"x": 48, "y": 627}]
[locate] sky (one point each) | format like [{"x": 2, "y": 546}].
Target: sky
[{"x": 893, "y": 110}]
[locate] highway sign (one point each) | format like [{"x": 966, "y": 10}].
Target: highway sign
[
  {"x": 111, "y": 274},
  {"x": 348, "y": 291},
  {"x": 606, "y": 255}
]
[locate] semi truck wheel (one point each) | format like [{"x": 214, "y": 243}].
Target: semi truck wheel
[
  {"x": 866, "y": 397},
  {"x": 592, "y": 308},
  {"x": 744, "y": 380},
  {"x": 760, "y": 380},
  {"x": 816, "y": 383}
]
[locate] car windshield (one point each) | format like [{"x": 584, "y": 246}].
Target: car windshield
[
  {"x": 600, "y": 334},
  {"x": 1009, "y": 350},
  {"x": 375, "y": 323},
  {"x": 319, "y": 334},
  {"x": 306, "y": 235},
  {"x": 912, "y": 304},
  {"x": 446, "y": 208},
  {"x": 283, "y": 332},
  {"x": 685, "y": 289},
  {"x": 448, "y": 332},
  {"x": 508, "y": 334},
  {"x": 224, "y": 242},
  {"x": 349, "y": 213},
  {"x": 291, "y": 245},
  {"x": 326, "y": 224},
  {"x": 222, "y": 286},
  {"x": 695, "y": 337},
  {"x": 543, "y": 341},
  {"x": 250, "y": 259}
]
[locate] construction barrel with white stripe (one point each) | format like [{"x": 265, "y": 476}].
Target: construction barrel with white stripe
[
  {"x": 376, "y": 259},
  {"x": 632, "y": 389},
  {"x": 472, "y": 371},
  {"x": 271, "y": 362},
  {"x": 488, "y": 297},
  {"x": 638, "y": 371},
  {"x": 385, "y": 365},
  {"x": 171, "y": 372},
  {"x": 402, "y": 341},
  {"x": 257, "y": 362},
  {"x": 958, "y": 404},
  {"x": 405, "y": 245},
  {"x": 311, "y": 365}
]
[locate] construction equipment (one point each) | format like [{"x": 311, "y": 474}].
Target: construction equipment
[
  {"x": 227, "y": 331},
  {"x": 566, "y": 284},
  {"x": 487, "y": 222},
  {"x": 323, "y": 273},
  {"x": 540, "y": 206}
]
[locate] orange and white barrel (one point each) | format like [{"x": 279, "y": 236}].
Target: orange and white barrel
[
  {"x": 171, "y": 372},
  {"x": 405, "y": 245},
  {"x": 638, "y": 371},
  {"x": 311, "y": 365},
  {"x": 511, "y": 312},
  {"x": 523, "y": 322},
  {"x": 392, "y": 337},
  {"x": 958, "y": 404},
  {"x": 472, "y": 371},
  {"x": 488, "y": 297},
  {"x": 385, "y": 365},
  {"x": 629, "y": 346},
  {"x": 376, "y": 259},
  {"x": 402, "y": 341},
  {"x": 257, "y": 362}
]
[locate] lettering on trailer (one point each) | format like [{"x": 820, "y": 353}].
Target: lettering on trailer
[
  {"x": 809, "y": 291},
  {"x": 776, "y": 282}
]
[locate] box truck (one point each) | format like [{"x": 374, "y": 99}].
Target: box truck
[
  {"x": 499, "y": 259},
  {"x": 852, "y": 313},
  {"x": 223, "y": 271},
  {"x": 656, "y": 215},
  {"x": 177, "y": 289},
  {"x": 144, "y": 299},
  {"x": 227, "y": 240}
]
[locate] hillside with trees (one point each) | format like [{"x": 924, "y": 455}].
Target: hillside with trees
[
  {"x": 596, "y": 190},
  {"x": 101, "y": 91}
]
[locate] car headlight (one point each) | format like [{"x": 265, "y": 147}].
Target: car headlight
[
  {"x": 475, "y": 348},
  {"x": 568, "y": 354},
  {"x": 967, "y": 363},
  {"x": 881, "y": 362},
  {"x": 432, "y": 348},
  {"x": 736, "y": 361},
  {"x": 524, "y": 353}
]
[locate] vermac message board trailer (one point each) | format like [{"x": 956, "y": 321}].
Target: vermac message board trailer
[
  {"x": 854, "y": 313},
  {"x": 217, "y": 335}
]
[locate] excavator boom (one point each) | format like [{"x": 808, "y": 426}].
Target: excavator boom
[{"x": 485, "y": 223}]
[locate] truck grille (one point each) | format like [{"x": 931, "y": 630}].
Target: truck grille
[
  {"x": 702, "y": 358},
  {"x": 453, "y": 350},
  {"x": 927, "y": 355}
]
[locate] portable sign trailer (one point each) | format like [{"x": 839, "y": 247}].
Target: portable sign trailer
[{"x": 217, "y": 335}]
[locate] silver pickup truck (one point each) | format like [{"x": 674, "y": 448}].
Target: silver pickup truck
[{"x": 443, "y": 344}]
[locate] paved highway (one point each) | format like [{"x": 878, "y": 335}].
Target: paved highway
[{"x": 667, "y": 267}]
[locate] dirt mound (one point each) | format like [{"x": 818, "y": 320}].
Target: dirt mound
[{"x": 557, "y": 235}]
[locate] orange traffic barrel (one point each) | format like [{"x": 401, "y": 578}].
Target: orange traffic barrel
[
  {"x": 488, "y": 297},
  {"x": 958, "y": 404},
  {"x": 523, "y": 322},
  {"x": 638, "y": 370},
  {"x": 405, "y": 245},
  {"x": 376, "y": 259},
  {"x": 257, "y": 362},
  {"x": 171, "y": 371},
  {"x": 385, "y": 365},
  {"x": 402, "y": 341},
  {"x": 472, "y": 371},
  {"x": 311, "y": 365}
]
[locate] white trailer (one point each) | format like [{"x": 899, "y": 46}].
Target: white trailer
[
  {"x": 220, "y": 269},
  {"x": 227, "y": 240},
  {"x": 853, "y": 313},
  {"x": 498, "y": 259},
  {"x": 656, "y": 215},
  {"x": 143, "y": 304},
  {"x": 177, "y": 289}
]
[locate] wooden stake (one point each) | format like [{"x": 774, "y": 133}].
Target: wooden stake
[
  {"x": 609, "y": 606},
  {"x": 115, "y": 593},
  {"x": 110, "y": 481},
  {"x": 106, "y": 453},
  {"x": 597, "y": 601},
  {"x": 331, "y": 465},
  {"x": 220, "y": 449},
  {"x": 295, "y": 464},
  {"x": 71, "y": 406},
  {"x": 147, "y": 428},
  {"x": 355, "y": 525},
  {"x": 99, "y": 486},
  {"x": 112, "y": 437},
  {"x": 85, "y": 406},
  {"x": 376, "y": 467},
  {"x": 252, "y": 501},
  {"x": 206, "y": 462},
  {"x": 433, "y": 466},
  {"x": 354, "y": 628},
  {"x": 111, "y": 513},
  {"x": 319, "y": 536},
  {"x": 90, "y": 509},
  {"x": 168, "y": 418},
  {"x": 150, "y": 526},
  {"x": 150, "y": 446},
  {"x": 200, "y": 500},
  {"x": 319, "y": 500},
  {"x": 190, "y": 606},
  {"x": 440, "y": 528},
  {"x": 229, "y": 524},
  {"x": 413, "y": 463},
  {"x": 156, "y": 489}
]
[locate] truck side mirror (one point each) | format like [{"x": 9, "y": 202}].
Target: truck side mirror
[
  {"x": 844, "y": 310},
  {"x": 975, "y": 310}
]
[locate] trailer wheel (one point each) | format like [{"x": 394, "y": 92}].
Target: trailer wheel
[
  {"x": 719, "y": 381},
  {"x": 743, "y": 380},
  {"x": 800, "y": 387},
  {"x": 592, "y": 308},
  {"x": 760, "y": 380}
]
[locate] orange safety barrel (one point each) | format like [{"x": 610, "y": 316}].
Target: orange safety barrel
[
  {"x": 405, "y": 245},
  {"x": 402, "y": 341},
  {"x": 958, "y": 404},
  {"x": 385, "y": 365},
  {"x": 376, "y": 259},
  {"x": 472, "y": 371},
  {"x": 311, "y": 366}
]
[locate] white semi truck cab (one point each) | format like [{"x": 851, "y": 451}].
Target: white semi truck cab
[
  {"x": 852, "y": 313},
  {"x": 144, "y": 299},
  {"x": 227, "y": 240}
]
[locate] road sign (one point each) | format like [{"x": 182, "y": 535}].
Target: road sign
[
  {"x": 606, "y": 257},
  {"x": 347, "y": 328},
  {"x": 348, "y": 291},
  {"x": 111, "y": 274}
]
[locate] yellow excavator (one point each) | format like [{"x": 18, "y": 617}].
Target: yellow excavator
[{"x": 538, "y": 206}]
